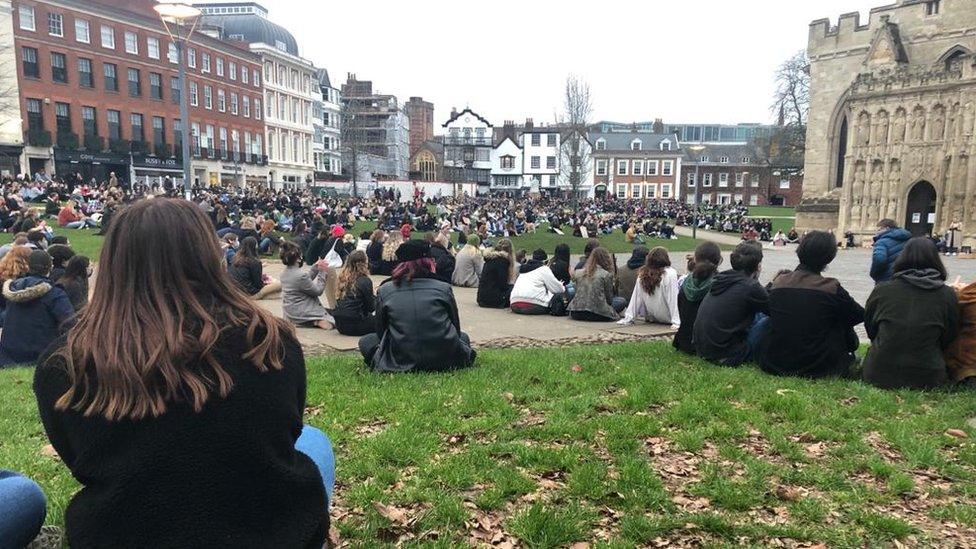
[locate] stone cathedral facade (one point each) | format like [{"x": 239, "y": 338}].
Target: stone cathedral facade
[{"x": 892, "y": 126}]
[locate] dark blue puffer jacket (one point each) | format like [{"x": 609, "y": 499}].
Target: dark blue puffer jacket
[
  {"x": 887, "y": 247},
  {"x": 37, "y": 313}
]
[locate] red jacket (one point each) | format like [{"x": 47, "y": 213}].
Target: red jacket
[{"x": 67, "y": 215}]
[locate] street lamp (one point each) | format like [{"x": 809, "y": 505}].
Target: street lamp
[
  {"x": 694, "y": 228},
  {"x": 180, "y": 19}
]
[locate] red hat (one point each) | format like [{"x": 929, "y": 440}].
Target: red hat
[
  {"x": 405, "y": 230},
  {"x": 338, "y": 231}
]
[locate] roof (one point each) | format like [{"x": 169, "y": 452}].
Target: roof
[
  {"x": 508, "y": 138},
  {"x": 457, "y": 115},
  {"x": 714, "y": 152},
  {"x": 322, "y": 75},
  {"x": 620, "y": 141},
  {"x": 255, "y": 29}
]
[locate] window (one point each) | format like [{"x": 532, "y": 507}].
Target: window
[
  {"x": 652, "y": 167},
  {"x": 667, "y": 167},
  {"x": 194, "y": 96},
  {"x": 207, "y": 97},
  {"x": 205, "y": 62},
  {"x": 221, "y": 101},
  {"x": 232, "y": 69},
  {"x": 739, "y": 179},
  {"x": 706, "y": 180},
  {"x": 753, "y": 181},
  {"x": 29, "y": 58},
  {"x": 243, "y": 75},
  {"x": 114, "y": 125},
  {"x": 636, "y": 191},
  {"x": 621, "y": 191},
  {"x": 178, "y": 136},
  {"x": 85, "y": 77},
  {"x": 691, "y": 179},
  {"x": 637, "y": 167},
  {"x": 724, "y": 159},
  {"x": 233, "y": 103},
  {"x": 191, "y": 58},
  {"x": 108, "y": 37},
  {"x": 172, "y": 53},
  {"x": 82, "y": 31},
  {"x": 175, "y": 91},
  {"x": 651, "y": 191},
  {"x": 59, "y": 67},
  {"x": 754, "y": 200},
  {"x": 159, "y": 130},
  {"x": 257, "y": 109},
  {"x": 131, "y": 43},
  {"x": 156, "y": 86},
  {"x": 704, "y": 159},
  {"x": 88, "y": 121},
  {"x": 220, "y": 66},
  {"x": 551, "y": 140},
  {"x": 152, "y": 47},
  {"x": 135, "y": 87},
  {"x": 636, "y": 145},
  {"x": 26, "y": 18},
  {"x": 932, "y": 7},
  {"x": 746, "y": 160},
  {"x": 601, "y": 144},
  {"x": 550, "y": 162},
  {"x": 62, "y": 117},
  {"x": 55, "y": 24},
  {"x": 784, "y": 183},
  {"x": 246, "y": 104},
  {"x": 723, "y": 180},
  {"x": 507, "y": 162},
  {"x": 257, "y": 79},
  {"x": 111, "y": 77},
  {"x": 138, "y": 134},
  {"x": 666, "y": 190},
  {"x": 535, "y": 162},
  {"x": 35, "y": 118},
  {"x": 665, "y": 145},
  {"x": 621, "y": 167}
]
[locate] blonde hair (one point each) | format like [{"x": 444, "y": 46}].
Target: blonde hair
[{"x": 391, "y": 245}]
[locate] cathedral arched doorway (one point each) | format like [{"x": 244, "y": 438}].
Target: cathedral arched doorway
[{"x": 920, "y": 210}]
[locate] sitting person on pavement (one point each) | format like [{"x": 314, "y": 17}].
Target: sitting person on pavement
[
  {"x": 560, "y": 264},
  {"x": 655, "y": 296},
  {"x": 247, "y": 272},
  {"x": 497, "y": 276},
  {"x": 417, "y": 323},
  {"x": 911, "y": 321},
  {"x": 178, "y": 407},
  {"x": 596, "y": 296},
  {"x": 732, "y": 318},
  {"x": 301, "y": 290},
  {"x": 703, "y": 265},
  {"x": 468, "y": 264},
  {"x": 38, "y": 311},
  {"x": 811, "y": 318},
  {"x": 355, "y": 302},
  {"x": 374, "y": 251},
  {"x": 888, "y": 243},
  {"x": 536, "y": 290},
  {"x": 443, "y": 258},
  {"x": 961, "y": 355},
  {"x": 627, "y": 276}
]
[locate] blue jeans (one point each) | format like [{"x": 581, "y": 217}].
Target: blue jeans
[
  {"x": 81, "y": 224},
  {"x": 22, "y": 510},
  {"x": 619, "y": 304},
  {"x": 317, "y": 446},
  {"x": 760, "y": 326}
]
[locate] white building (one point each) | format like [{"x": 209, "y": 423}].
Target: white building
[
  {"x": 289, "y": 83},
  {"x": 326, "y": 145},
  {"x": 467, "y": 149},
  {"x": 584, "y": 153},
  {"x": 506, "y": 168},
  {"x": 540, "y": 146}
]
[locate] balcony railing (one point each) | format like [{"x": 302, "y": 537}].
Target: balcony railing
[
  {"x": 67, "y": 140},
  {"x": 138, "y": 147},
  {"x": 118, "y": 145},
  {"x": 39, "y": 138},
  {"x": 163, "y": 150},
  {"x": 471, "y": 140},
  {"x": 94, "y": 143}
]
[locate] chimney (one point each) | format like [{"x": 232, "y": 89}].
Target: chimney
[
  {"x": 658, "y": 125},
  {"x": 453, "y": 112},
  {"x": 529, "y": 124}
]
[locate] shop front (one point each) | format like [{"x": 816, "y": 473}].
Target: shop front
[
  {"x": 150, "y": 170},
  {"x": 91, "y": 166}
]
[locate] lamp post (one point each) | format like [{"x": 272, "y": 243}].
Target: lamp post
[
  {"x": 180, "y": 20},
  {"x": 694, "y": 228}
]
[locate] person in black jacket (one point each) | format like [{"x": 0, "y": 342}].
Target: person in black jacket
[
  {"x": 247, "y": 272},
  {"x": 811, "y": 318},
  {"x": 560, "y": 264},
  {"x": 355, "y": 302},
  {"x": 192, "y": 434},
  {"x": 497, "y": 276},
  {"x": 732, "y": 318},
  {"x": 417, "y": 323},
  {"x": 703, "y": 266},
  {"x": 443, "y": 260},
  {"x": 374, "y": 251},
  {"x": 74, "y": 281}
]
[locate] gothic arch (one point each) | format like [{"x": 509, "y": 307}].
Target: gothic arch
[
  {"x": 953, "y": 55},
  {"x": 839, "y": 142}
]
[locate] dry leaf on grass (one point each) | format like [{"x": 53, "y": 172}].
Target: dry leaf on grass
[
  {"x": 957, "y": 433},
  {"x": 393, "y": 514},
  {"x": 576, "y": 368},
  {"x": 788, "y": 493},
  {"x": 49, "y": 451},
  {"x": 508, "y": 396}
]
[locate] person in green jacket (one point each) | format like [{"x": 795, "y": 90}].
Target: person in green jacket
[{"x": 911, "y": 321}]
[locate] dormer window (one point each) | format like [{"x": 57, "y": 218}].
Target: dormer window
[
  {"x": 746, "y": 160},
  {"x": 724, "y": 160},
  {"x": 636, "y": 145},
  {"x": 665, "y": 145},
  {"x": 704, "y": 159},
  {"x": 601, "y": 144}
]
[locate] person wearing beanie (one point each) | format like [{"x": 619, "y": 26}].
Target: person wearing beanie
[
  {"x": 37, "y": 312},
  {"x": 537, "y": 291},
  {"x": 468, "y": 264},
  {"x": 627, "y": 275},
  {"x": 418, "y": 327}
]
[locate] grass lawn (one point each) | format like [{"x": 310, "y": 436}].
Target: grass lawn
[
  {"x": 783, "y": 218},
  {"x": 83, "y": 241},
  {"x": 625, "y": 445}
]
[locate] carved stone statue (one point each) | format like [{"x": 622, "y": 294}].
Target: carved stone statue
[
  {"x": 873, "y": 197},
  {"x": 881, "y": 129},
  {"x": 967, "y": 119},
  {"x": 937, "y": 133},
  {"x": 898, "y": 127},
  {"x": 890, "y": 201},
  {"x": 863, "y": 129},
  {"x": 951, "y": 122},
  {"x": 918, "y": 123},
  {"x": 857, "y": 193}
]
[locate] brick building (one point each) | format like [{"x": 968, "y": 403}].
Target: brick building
[
  {"x": 632, "y": 164},
  {"x": 420, "y": 114},
  {"x": 99, "y": 93},
  {"x": 734, "y": 173}
]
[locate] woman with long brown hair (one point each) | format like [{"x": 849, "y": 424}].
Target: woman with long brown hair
[
  {"x": 595, "y": 299},
  {"x": 655, "y": 296},
  {"x": 177, "y": 402},
  {"x": 247, "y": 272},
  {"x": 355, "y": 302}
]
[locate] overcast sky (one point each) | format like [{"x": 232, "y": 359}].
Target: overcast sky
[{"x": 683, "y": 61}]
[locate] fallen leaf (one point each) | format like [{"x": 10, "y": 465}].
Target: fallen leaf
[
  {"x": 459, "y": 438},
  {"x": 815, "y": 450},
  {"x": 393, "y": 514},
  {"x": 788, "y": 493},
  {"x": 580, "y": 545},
  {"x": 508, "y": 396},
  {"x": 957, "y": 433},
  {"x": 49, "y": 451},
  {"x": 576, "y": 368},
  {"x": 313, "y": 411},
  {"x": 782, "y": 392}
]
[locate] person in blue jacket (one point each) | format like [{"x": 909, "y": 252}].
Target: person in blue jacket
[
  {"x": 888, "y": 243},
  {"x": 37, "y": 312}
]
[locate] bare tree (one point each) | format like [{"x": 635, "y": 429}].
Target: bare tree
[
  {"x": 351, "y": 135},
  {"x": 575, "y": 152}
]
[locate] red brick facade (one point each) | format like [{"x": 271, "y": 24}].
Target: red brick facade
[{"x": 753, "y": 185}]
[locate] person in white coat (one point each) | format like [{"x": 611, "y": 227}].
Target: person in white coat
[
  {"x": 537, "y": 291},
  {"x": 655, "y": 296}
]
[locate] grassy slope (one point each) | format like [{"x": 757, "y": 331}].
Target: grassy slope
[
  {"x": 784, "y": 218},
  {"x": 635, "y": 443},
  {"x": 83, "y": 241}
]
